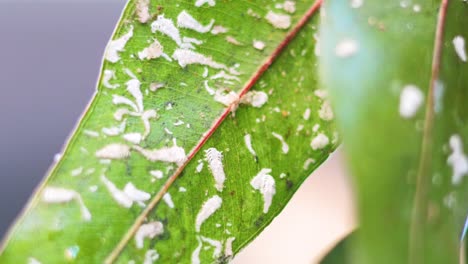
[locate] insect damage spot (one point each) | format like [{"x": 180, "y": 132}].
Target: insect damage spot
[{"x": 215, "y": 163}]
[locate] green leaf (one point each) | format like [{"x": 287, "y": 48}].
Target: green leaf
[
  {"x": 159, "y": 168},
  {"x": 383, "y": 61},
  {"x": 340, "y": 253}
]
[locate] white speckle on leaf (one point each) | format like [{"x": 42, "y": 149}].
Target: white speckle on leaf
[
  {"x": 326, "y": 112},
  {"x": 182, "y": 189},
  {"x": 307, "y": 163},
  {"x": 260, "y": 45},
  {"x": 185, "y": 20},
  {"x": 248, "y": 143},
  {"x": 91, "y": 133},
  {"x": 113, "y": 151},
  {"x": 356, "y": 3},
  {"x": 145, "y": 117},
  {"x": 208, "y": 88},
  {"x": 174, "y": 154},
  {"x": 346, "y": 48},
  {"x": 316, "y": 127},
  {"x": 306, "y": 114},
  {"x": 62, "y": 195},
  {"x": 224, "y": 75},
  {"x": 33, "y": 261},
  {"x": 283, "y": 175},
  {"x": 107, "y": 77},
  {"x": 459, "y": 44},
  {"x": 252, "y": 13},
  {"x": 284, "y": 145},
  {"x": 457, "y": 159},
  {"x": 199, "y": 167},
  {"x": 278, "y": 20},
  {"x": 133, "y": 87},
  {"x": 118, "y": 45},
  {"x": 151, "y": 256},
  {"x": 417, "y": 8},
  {"x": 199, "y": 3},
  {"x": 218, "y": 30},
  {"x": 289, "y": 6},
  {"x": 208, "y": 209},
  {"x": 93, "y": 188},
  {"x": 265, "y": 184},
  {"x": 149, "y": 230},
  {"x": 76, "y": 171},
  {"x": 215, "y": 162},
  {"x": 168, "y": 200},
  {"x": 319, "y": 142},
  {"x": 411, "y": 99},
  {"x": 233, "y": 40},
  {"x": 142, "y": 11},
  {"x": 117, "y": 100},
  {"x": 255, "y": 98},
  {"x": 218, "y": 246},
  {"x": 114, "y": 131}
]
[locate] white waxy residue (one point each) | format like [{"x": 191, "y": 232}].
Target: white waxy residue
[
  {"x": 187, "y": 57},
  {"x": 196, "y": 253},
  {"x": 185, "y": 20},
  {"x": 149, "y": 230},
  {"x": 134, "y": 138},
  {"x": 145, "y": 117},
  {"x": 91, "y": 133},
  {"x": 459, "y": 45},
  {"x": 199, "y": 167},
  {"x": 218, "y": 30},
  {"x": 153, "y": 51},
  {"x": 255, "y": 98},
  {"x": 248, "y": 143},
  {"x": 226, "y": 98},
  {"x": 346, "y": 48},
  {"x": 62, "y": 195},
  {"x": 107, "y": 77},
  {"x": 411, "y": 99},
  {"x": 224, "y": 75},
  {"x": 289, "y": 6},
  {"x": 228, "y": 247},
  {"x": 119, "y": 196},
  {"x": 280, "y": 21},
  {"x": 208, "y": 209},
  {"x": 457, "y": 159},
  {"x": 157, "y": 174},
  {"x": 142, "y": 11},
  {"x": 118, "y": 45},
  {"x": 168, "y": 200},
  {"x": 265, "y": 184},
  {"x": 260, "y": 45},
  {"x": 114, "y": 131},
  {"x": 215, "y": 162},
  {"x": 199, "y": 3},
  {"x": 284, "y": 145},
  {"x": 319, "y": 142},
  {"x": 114, "y": 151},
  {"x": 208, "y": 88},
  {"x": 33, "y": 261},
  {"x": 167, "y": 27},
  {"x": 135, "y": 194},
  {"x": 216, "y": 244},
  {"x": 173, "y": 154},
  {"x": 151, "y": 256}
]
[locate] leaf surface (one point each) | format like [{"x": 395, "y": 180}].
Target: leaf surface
[
  {"x": 400, "y": 102},
  {"x": 166, "y": 165}
]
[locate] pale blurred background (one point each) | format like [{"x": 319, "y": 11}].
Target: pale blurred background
[{"x": 50, "y": 53}]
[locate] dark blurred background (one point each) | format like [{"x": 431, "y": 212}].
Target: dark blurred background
[{"x": 50, "y": 55}]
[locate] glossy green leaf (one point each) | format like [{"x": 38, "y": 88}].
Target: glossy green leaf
[
  {"x": 397, "y": 75},
  {"x": 166, "y": 166}
]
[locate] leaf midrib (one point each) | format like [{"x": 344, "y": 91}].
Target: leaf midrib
[
  {"x": 422, "y": 185},
  {"x": 250, "y": 83}
]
